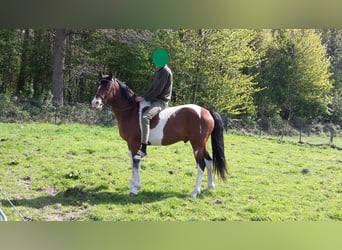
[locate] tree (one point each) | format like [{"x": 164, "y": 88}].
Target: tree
[
  {"x": 333, "y": 40},
  {"x": 24, "y": 64},
  {"x": 34, "y": 78},
  {"x": 123, "y": 52},
  {"x": 41, "y": 61},
  {"x": 296, "y": 78},
  {"x": 230, "y": 87},
  {"x": 58, "y": 67},
  {"x": 217, "y": 68},
  {"x": 314, "y": 77},
  {"x": 10, "y": 48}
]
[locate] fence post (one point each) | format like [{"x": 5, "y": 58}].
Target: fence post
[
  {"x": 301, "y": 131},
  {"x": 332, "y": 134}
]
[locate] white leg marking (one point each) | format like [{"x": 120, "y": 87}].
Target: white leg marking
[
  {"x": 135, "y": 182},
  {"x": 197, "y": 190},
  {"x": 209, "y": 165}
]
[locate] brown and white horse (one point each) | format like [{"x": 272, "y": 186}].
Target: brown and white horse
[{"x": 180, "y": 123}]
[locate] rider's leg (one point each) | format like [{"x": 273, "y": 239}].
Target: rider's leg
[{"x": 146, "y": 117}]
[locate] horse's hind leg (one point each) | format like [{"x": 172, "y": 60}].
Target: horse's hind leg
[
  {"x": 199, "y": 156},
  {"x": 209, "y": 163},
  {"x": 197, "y": 189},
  {"x": 203, "y": 160}
]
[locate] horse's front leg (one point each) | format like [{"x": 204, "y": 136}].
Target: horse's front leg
[{"x": 135, "y": 182}]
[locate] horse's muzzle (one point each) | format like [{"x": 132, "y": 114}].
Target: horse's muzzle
[{"x": 97, "y": 103}]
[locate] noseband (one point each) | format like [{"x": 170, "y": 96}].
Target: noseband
[{"x": 111, "y": 88}]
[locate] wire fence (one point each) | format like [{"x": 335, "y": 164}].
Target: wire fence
[
  {"x": 296, "y": 131},
  {"x": 29, "y": 110}
]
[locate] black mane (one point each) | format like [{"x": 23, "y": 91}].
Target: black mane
[{"x": 126, "y": 91}]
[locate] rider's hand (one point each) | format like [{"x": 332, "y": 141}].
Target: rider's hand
[{"x": 139, "y": 99}]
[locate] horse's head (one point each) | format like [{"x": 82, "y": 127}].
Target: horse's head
[{"x": 104, "y": 92}]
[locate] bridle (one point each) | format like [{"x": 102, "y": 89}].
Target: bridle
[{"x": 111, "y": 88}]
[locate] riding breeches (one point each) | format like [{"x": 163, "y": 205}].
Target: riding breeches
[{"x": 147, "y": 116}]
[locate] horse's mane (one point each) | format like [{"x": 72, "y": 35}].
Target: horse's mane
[{"x": 126, "y": 91}]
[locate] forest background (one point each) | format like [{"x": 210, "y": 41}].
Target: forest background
[{"x": 267, "y": 78}]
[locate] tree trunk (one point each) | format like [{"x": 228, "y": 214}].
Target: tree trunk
[
  {"x": 58, "y": 67},
  {"x": 24, "y": 67}
]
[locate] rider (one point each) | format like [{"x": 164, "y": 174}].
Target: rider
[{"x": 159, "y": 95}]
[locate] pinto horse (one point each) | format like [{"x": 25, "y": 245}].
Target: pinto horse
[{"x": 180, "y": 123}]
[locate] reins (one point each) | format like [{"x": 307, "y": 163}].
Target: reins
[{"x": 112, "y": 88}]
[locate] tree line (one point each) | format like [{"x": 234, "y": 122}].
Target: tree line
[{"x": 288, "y": 74}]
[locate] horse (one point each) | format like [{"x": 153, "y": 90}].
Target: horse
[{"x": 187, "y": 122}]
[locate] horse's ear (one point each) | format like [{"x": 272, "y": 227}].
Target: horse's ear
[
  {"x": 100, "y": 74},
  {"x": 110, "y": 75}
]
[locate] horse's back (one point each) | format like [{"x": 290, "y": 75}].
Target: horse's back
[
  {"x": 179, "y": 123},
  {"x": 166, "y": 113}
]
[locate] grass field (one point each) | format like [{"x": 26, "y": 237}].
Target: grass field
[{"x": 79, "y": 172}]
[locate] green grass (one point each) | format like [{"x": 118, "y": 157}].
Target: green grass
[{"x": 79, "y": 172}]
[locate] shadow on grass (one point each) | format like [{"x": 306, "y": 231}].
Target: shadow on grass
[{"x": 76, "y": 196}]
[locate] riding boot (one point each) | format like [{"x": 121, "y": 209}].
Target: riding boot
[
  {"x": 141, "y": 152},
  {"x": 143, "y": 147}
]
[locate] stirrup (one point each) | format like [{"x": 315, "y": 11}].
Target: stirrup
[{"x": 139, "y": 155}]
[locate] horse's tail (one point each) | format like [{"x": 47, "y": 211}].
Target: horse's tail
[{"x": 217, "y": 144}]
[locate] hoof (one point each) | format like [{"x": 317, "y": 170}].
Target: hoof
[
  {"x": 132, "y": 194},
  {"x": 195, "y": 194}
]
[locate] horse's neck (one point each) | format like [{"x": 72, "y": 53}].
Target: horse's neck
[{"x": 123, "y": 108}]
